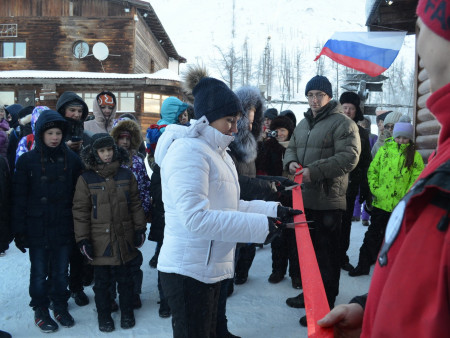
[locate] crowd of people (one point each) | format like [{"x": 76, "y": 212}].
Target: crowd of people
[{"x": 76, "y": 194}]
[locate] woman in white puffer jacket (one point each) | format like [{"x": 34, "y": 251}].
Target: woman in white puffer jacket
[{"x": 204, "y": 215}]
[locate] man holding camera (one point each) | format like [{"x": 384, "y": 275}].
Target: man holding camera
[{"x": 325, "y": 145}]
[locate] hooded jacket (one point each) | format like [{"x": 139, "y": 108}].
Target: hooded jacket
[
  {"x": 107, "y": 210},
  {"x": 329, "y": 146},
  {"x": 136, "y": 163},
  {"x": 43, "y": 188},
  {"x": 203, "y": 211},
  {"x": 74, "y": 127},
  {"x": 389, "y": 179},
  {"x": 100, "y": 124}
]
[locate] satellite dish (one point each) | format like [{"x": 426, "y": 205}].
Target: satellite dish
[{"x": 100, "y": 51}]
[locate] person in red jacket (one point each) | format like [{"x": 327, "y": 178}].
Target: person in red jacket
[{"x": 410, "y": 288}]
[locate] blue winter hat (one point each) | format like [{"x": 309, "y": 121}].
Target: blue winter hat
[
  {"x": 213, "y": 99},
  {"x": 321, "y": 83}
]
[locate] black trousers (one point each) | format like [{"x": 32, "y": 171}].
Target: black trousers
[
  {"x": 104, "y": 277},
  {"x": 325, "y": 231},
  {"x": 245, "y": 254},
  {"x": 347, "y": 225},
  {"x": 373, "y": 237},
  {"x": 284, "y": 250},
  {"x": 193, "y": 305}
]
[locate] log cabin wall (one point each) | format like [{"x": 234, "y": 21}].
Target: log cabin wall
[
  {"x": 149, "y": 55},
  {"x": 51, "y": 27},
  {"x": 51, "y": 45},
  {"x": 426, "y": 126}
]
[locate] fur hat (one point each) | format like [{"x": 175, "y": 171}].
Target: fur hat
[
  {"x": 353, "y": 98},
  {"x": 89, "y": 154},
  {"x": 435, "y": 15},
  {"x": 321, "y": 83},
  {"x": 250, "y": 97},
  {"x": 392, "y": 117},
  {"x": 404, "y": 129},
  {"x": 282, "y": 122},
  {"x": 290, "y": 114},
  {"x": 130, "y": 127},
  {"x": 271, "y": 113}
]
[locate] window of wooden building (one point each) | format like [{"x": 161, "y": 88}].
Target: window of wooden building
[
  {"x": 13, "y": 49},
  {"x": 153, "y": 102},
  {"x": 7, "y": 97}
]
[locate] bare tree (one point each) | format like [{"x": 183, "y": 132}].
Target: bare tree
[
  {"x": 246, "y": 64},
  {"x": 228, "y": 66}
]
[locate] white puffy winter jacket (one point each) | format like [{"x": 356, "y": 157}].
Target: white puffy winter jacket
[{"x": 204, "y": 215}]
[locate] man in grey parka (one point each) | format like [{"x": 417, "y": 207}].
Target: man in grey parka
[{"x": 326, "y": 146}]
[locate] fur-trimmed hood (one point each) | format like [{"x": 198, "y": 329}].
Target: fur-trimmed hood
[
  {"x": 245, "y": 144},
  {"x": 90, "y": 161},
  {"x": 133, "y": 128}
]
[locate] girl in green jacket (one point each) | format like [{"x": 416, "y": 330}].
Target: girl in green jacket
[{"x": 391, "y": 174}]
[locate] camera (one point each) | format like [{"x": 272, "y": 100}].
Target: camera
[
  {"x": 272, "y": 133},
  {"x": 75, "y": 139}
]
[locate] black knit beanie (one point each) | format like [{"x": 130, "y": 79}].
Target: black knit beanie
[
  {"x": 321, "y": 83},
  {"x": 353, "y": 98},
  {"x": 271, "y": 113},
  {"x": 213, "y": 99}
]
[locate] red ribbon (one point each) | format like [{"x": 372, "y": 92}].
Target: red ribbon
[{"x": 316, "y": 303}]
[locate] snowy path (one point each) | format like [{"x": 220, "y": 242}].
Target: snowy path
[{"x": 256, "y": 309}]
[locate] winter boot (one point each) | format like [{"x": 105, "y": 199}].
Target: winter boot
[
  {"x": 105, "y": 322},
  {"x": 297, "y": 302},
  {"x": 64, "y": 318},
  {"x": 276, "y": 277},
  {"x": 359, "y": 270},
  {"x": 80, "y": 298},
  {"x": 4, "y": 334},
  {"x": 303, "y": 321},
  {"x": 127, "y": 320},
  {"x": 164, "y": 309},
  {"x": 43, "y": 320},
  {"x": 240, "y": 278}
]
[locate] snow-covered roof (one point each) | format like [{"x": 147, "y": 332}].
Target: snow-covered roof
[{"x": 163, "y": 74}]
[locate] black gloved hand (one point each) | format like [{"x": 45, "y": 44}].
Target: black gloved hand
[
  {"x": 139, "y": 238},
  {"x": 86, "y": 249},
  {"x": 21, "y": 242},
  {"x": 287, "y": 214},
  {"x": 275, "y": 228}
]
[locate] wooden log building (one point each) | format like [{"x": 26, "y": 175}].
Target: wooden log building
[
  {"x": 47, "y": 47},
  {"x": 401, "y": 15}
]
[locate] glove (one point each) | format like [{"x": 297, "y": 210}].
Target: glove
[
  {"x": 287, "y": 214},
  {"x": 139, "y": 238},
  {"x": 21, "y": 242},
  {"x": 86, "y": 249},
  {"x": 275, "y": 228}
]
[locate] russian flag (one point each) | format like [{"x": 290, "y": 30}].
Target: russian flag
[{"x": 369, "y": 52}]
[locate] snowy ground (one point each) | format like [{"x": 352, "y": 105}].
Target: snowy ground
[{"x": 256, "y": 309}]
